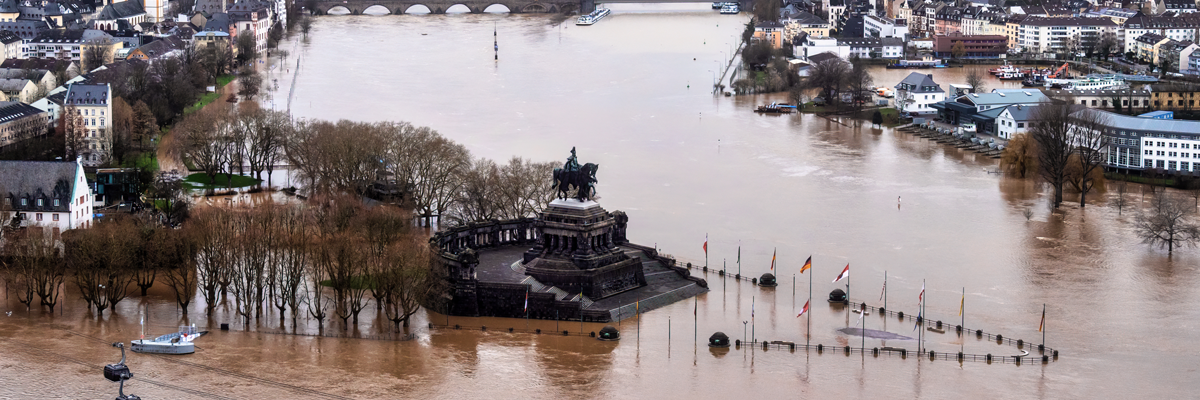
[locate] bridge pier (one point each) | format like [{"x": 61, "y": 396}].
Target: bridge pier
[{"x": 587, "y": 6}]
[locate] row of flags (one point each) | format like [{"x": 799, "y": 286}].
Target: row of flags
[{"x": 843, "y": 275}]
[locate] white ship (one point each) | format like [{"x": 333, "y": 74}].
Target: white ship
[
  {"x": 594, "y": 17},
  {"x": 1090, "y": 82},
  {"x": 171, "y": 343}
]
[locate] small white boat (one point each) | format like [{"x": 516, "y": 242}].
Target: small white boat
[
  {"x": 171, "y": 343},
  {"x": 594, "y": 17},
  {"x": 730, "y": 8}
]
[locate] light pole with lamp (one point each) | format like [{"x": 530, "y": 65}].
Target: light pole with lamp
[{"x": 744, "y": 331}]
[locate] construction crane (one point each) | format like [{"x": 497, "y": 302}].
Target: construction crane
[{"x": 1061, "y": 71}]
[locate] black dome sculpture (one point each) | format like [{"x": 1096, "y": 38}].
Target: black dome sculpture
[
  {"x": 837, "y": 296},
  {"x": 609, "y": 333},
  {"x": 718, "y": 339},
  {"x": 767, "y": 280}
]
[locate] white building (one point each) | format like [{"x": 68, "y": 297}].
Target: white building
[
  {"x": 818, "y": 45},
  {"x": 917, "y": 92},
  {"x": 1014, "y": 120},
  {"x": 1178, "y": 28},
  {"x": 1055, "y": 34},
  {"x": 93, "y": 103},
  {"x": 883, "y": 27},
  {"x": 50, "y": 194}
]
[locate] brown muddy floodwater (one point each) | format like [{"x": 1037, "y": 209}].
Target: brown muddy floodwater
[{"x": 682, "y": 164}]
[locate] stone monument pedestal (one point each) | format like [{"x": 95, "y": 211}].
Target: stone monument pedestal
[{"x": 578, "y": 252}]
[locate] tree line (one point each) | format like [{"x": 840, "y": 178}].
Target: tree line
[
  {"x": 330, "y": 258},
  {"x": 438, "y": 177},
  {"x": 1066, "y": 145}
]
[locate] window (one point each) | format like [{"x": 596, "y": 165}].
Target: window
[
  {"x": 24, "y": 202},
  {"x": 1170, "y": 166},
  {"x": 56, "y": 202},
  {"x": 1020, "y": 124},
  {"x": 39, "y": 215},
  {"x": 39, "y": 202},
  {"x": 55, "y": 217}
]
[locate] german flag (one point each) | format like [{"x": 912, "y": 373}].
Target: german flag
[{"x": 807, "y": 265}]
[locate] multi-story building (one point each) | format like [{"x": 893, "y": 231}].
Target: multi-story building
[
  {"x": 1056, "y": 35},
  {"x": 93, "y": 106},
  {"x": 1139, "y": 143},
  {"x": 1174, "y": 97},
  {"x": 1127, "y": 99},
  {"x": 948, "y": 20},
  {"x": 20, "y": 122},
  {"x": 983, "y": 109},
  {"x": 883, "y": 27},
  {"x": 804, "y": 22},
  {"x": 47, "y": 194},
  {"x": 1179, "y": 28},
  {"x": 12, "y": 45},
  {"x": 1014, "y": 120},
  {"x": 1146, "y": 47},
  {"x": 254, "y": 18},
  {"x": 917, "y": 93},
  {"x": 974, "y": 46},
  {"x": 767, "y": 31}
]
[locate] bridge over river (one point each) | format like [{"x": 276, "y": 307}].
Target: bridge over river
[{"x": 357, "y": 7}]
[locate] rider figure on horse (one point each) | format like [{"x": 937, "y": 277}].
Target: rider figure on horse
[{"x": 572, "y": 164}]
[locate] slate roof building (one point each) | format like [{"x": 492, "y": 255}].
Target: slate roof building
[{"x": 48, "y": 194}]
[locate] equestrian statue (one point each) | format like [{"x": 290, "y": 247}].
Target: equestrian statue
[{"x": 572, "y": 176}]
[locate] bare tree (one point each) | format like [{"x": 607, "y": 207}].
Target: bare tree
[
  {"x": 1090, "y": 145},
  {"x": 976, "y": 82},
  {"x": 1121, "y": 202},
  {"x": 405, "y": 279},
  {"x": 431, "y": 164},
  {"x": 1051, "y": 131},
  {"x": 35, "y": 265},
  {"x": 1020, "y": 156},
  {"x": 829, "y": 75},
  {"x": 206, "y": 139},
  {"x": 101, "y": 258},
  {"x": 1168, "y": 223},
  {"x": 176, "y": 253}
]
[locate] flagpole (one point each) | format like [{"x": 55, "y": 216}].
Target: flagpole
[
  {"x": 885, "y": 289},
  {"x": 754, "y": 338},
  {"x": 962, "y": 315},
  {"x": 696, "y": 319},
  {"x": 808, "y": 331},
  {"x": 1043, "y": 325}
]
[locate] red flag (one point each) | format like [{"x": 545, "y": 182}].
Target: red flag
[
  {"x": 803, "y": 310},
  {"x": 773, "y": 258},
  {"x": 844, "y": 274},
  {"x": 921, "y": 297},
  {"x": 706, "y": 245},
  {"x": 526, "y": 301}
]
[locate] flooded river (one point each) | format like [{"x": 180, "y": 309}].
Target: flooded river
[{"x": 632, "y": 93}]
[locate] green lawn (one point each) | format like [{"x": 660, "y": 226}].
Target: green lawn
[
  {"x": 210, "y": 97},
  {"x": 201, "y": 180}
]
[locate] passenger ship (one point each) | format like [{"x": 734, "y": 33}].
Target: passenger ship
[{"x": 594, "y": 17}]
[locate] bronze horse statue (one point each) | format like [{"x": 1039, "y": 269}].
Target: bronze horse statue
[{"x": 582, "y": 180}]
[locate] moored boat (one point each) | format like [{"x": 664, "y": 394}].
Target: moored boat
[
  {"x": 776, "y": 108},
  {"x": 171, "y": 343},
  {"x": 594, "y": 17}
]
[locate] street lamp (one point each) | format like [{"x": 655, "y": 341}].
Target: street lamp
[{"x": 744, "y": 331}]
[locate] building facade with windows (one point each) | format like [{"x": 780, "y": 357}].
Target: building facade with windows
[
  {"x": 93, "y": 106},
  {"x": 48, "y": 194},
  {"x": 917, "y": 93},
  {"x": 1141, "y": 143}
]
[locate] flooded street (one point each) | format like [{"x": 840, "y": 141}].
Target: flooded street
[{"x": 632, "y": 94}]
